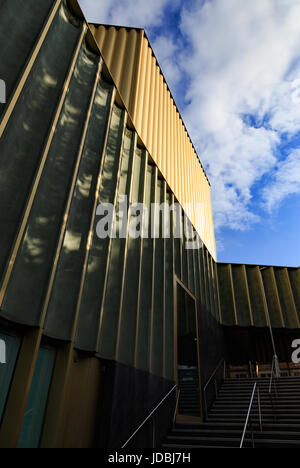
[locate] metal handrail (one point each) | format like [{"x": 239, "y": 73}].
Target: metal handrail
[
  {"x": 272, "y": 381},
  {"x": 208, "y": 382},
  {"x": 255, "y": 388},
  {"x": 176, "y": 407},
  {"x": 151, "y": 414},
  {"x": 272, "y": 373}
]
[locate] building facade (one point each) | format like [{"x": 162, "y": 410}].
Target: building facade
[{"x": 96, "y": 328}]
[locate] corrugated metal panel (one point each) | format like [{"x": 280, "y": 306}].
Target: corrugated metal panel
[
  {"x": 139, "y": 80},
  {"x": 242, "y": 295}
]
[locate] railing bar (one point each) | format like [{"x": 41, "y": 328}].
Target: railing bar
[
  {"x": 213, "y": 374},
  {"x": 259, "y": 407},
  {"x": 148, "y": 417},
  {"x": 153, "y": 432},
  {"x": 248, "y": 415},
  {"x": 175, "y": 412}
]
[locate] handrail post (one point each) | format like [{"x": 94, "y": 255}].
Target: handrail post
[
  {"x": 252, "y": 433},
  {"x": 213, "y": 375},
  {"x": 273, "y": 382},
  {"x": 153, "y": 432},
  {"x": 205, "y": 405},
  {"x": 259, "y": 409},
  {"x": 250, "y": 369},
  {"x": 277, "y": 367},
  {"x": 176, "y": 407}
]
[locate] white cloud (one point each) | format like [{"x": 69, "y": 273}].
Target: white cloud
[
  {"x": 136, "y": 13},
  {"x": 166, "y": 51},
  {"x": 240, "y": 55},
  {"x": 286, "y": 181}
]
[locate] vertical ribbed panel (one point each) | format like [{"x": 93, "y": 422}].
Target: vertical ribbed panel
[
  {"x": 242, "y": 289},
  {"x": 129, "y": 62},
  {"x": 287, "y": 302},
  {"x": 272, "y": 297},
  {"x": 259, "y": 312},
  {"x": 139, "y": 80},
  {"x": 241, "y": 294},
  {"x": 226, "y": 295},
  {"x": 151, "y": 100},
  {"x": 294, "y": 275}
]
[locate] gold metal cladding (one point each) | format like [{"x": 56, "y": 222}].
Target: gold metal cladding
[
  {"x": 164, "y": 188},
  {"x": 141, "y": 262},
  {"x": 28, "y": 68},
  {"x": 286, "y": 298},
  {"x": 134, "y": 145},
  {"x": 154, "y": 181},
  {"x": 148, "y": 100},
  {"x": 276, "y": 295},
  {"x": 248, "y": 294},
  {"x": 289, "y": 290},
  {"x": 70, "y": 197},
  {"x": 233, "y": 296},
  {"x": 17, "y": 244},
  {"x": 279, "y": 303},
  {"x": 91, "y": 228},
  {"x": 52, "y": 432},
  {"x": 220, "y": 318},
  {"x": 110, "y": 239},
  {"x": 172, "y": 201}
]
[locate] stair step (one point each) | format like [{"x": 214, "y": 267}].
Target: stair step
[
  {"x": 268, "y": 421},
  {"x": 264, "y": 406},
  {"x": 233, "y": 442},
  {"x": 269, "y": 410},
  {"x": 231, "y": 433},
  {"x": 192, "y": 426},
  {"x": 224, "y": 426}
]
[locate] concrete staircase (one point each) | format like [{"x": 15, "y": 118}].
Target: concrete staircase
[{"x": 224, "y": 426}]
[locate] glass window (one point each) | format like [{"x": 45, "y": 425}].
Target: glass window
[
  {"x": 9, "y": 348},
  {"x": 37, "y": 400}
]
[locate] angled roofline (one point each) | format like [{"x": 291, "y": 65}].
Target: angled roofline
[
  {"x": 258, "y": 264},
  {"x": 128, "y": 28}
]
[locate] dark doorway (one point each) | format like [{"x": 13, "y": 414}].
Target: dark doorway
[{"x": 187, "y": 353}]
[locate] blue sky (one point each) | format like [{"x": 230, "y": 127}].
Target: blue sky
[{"x": 233, "y": 67}]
